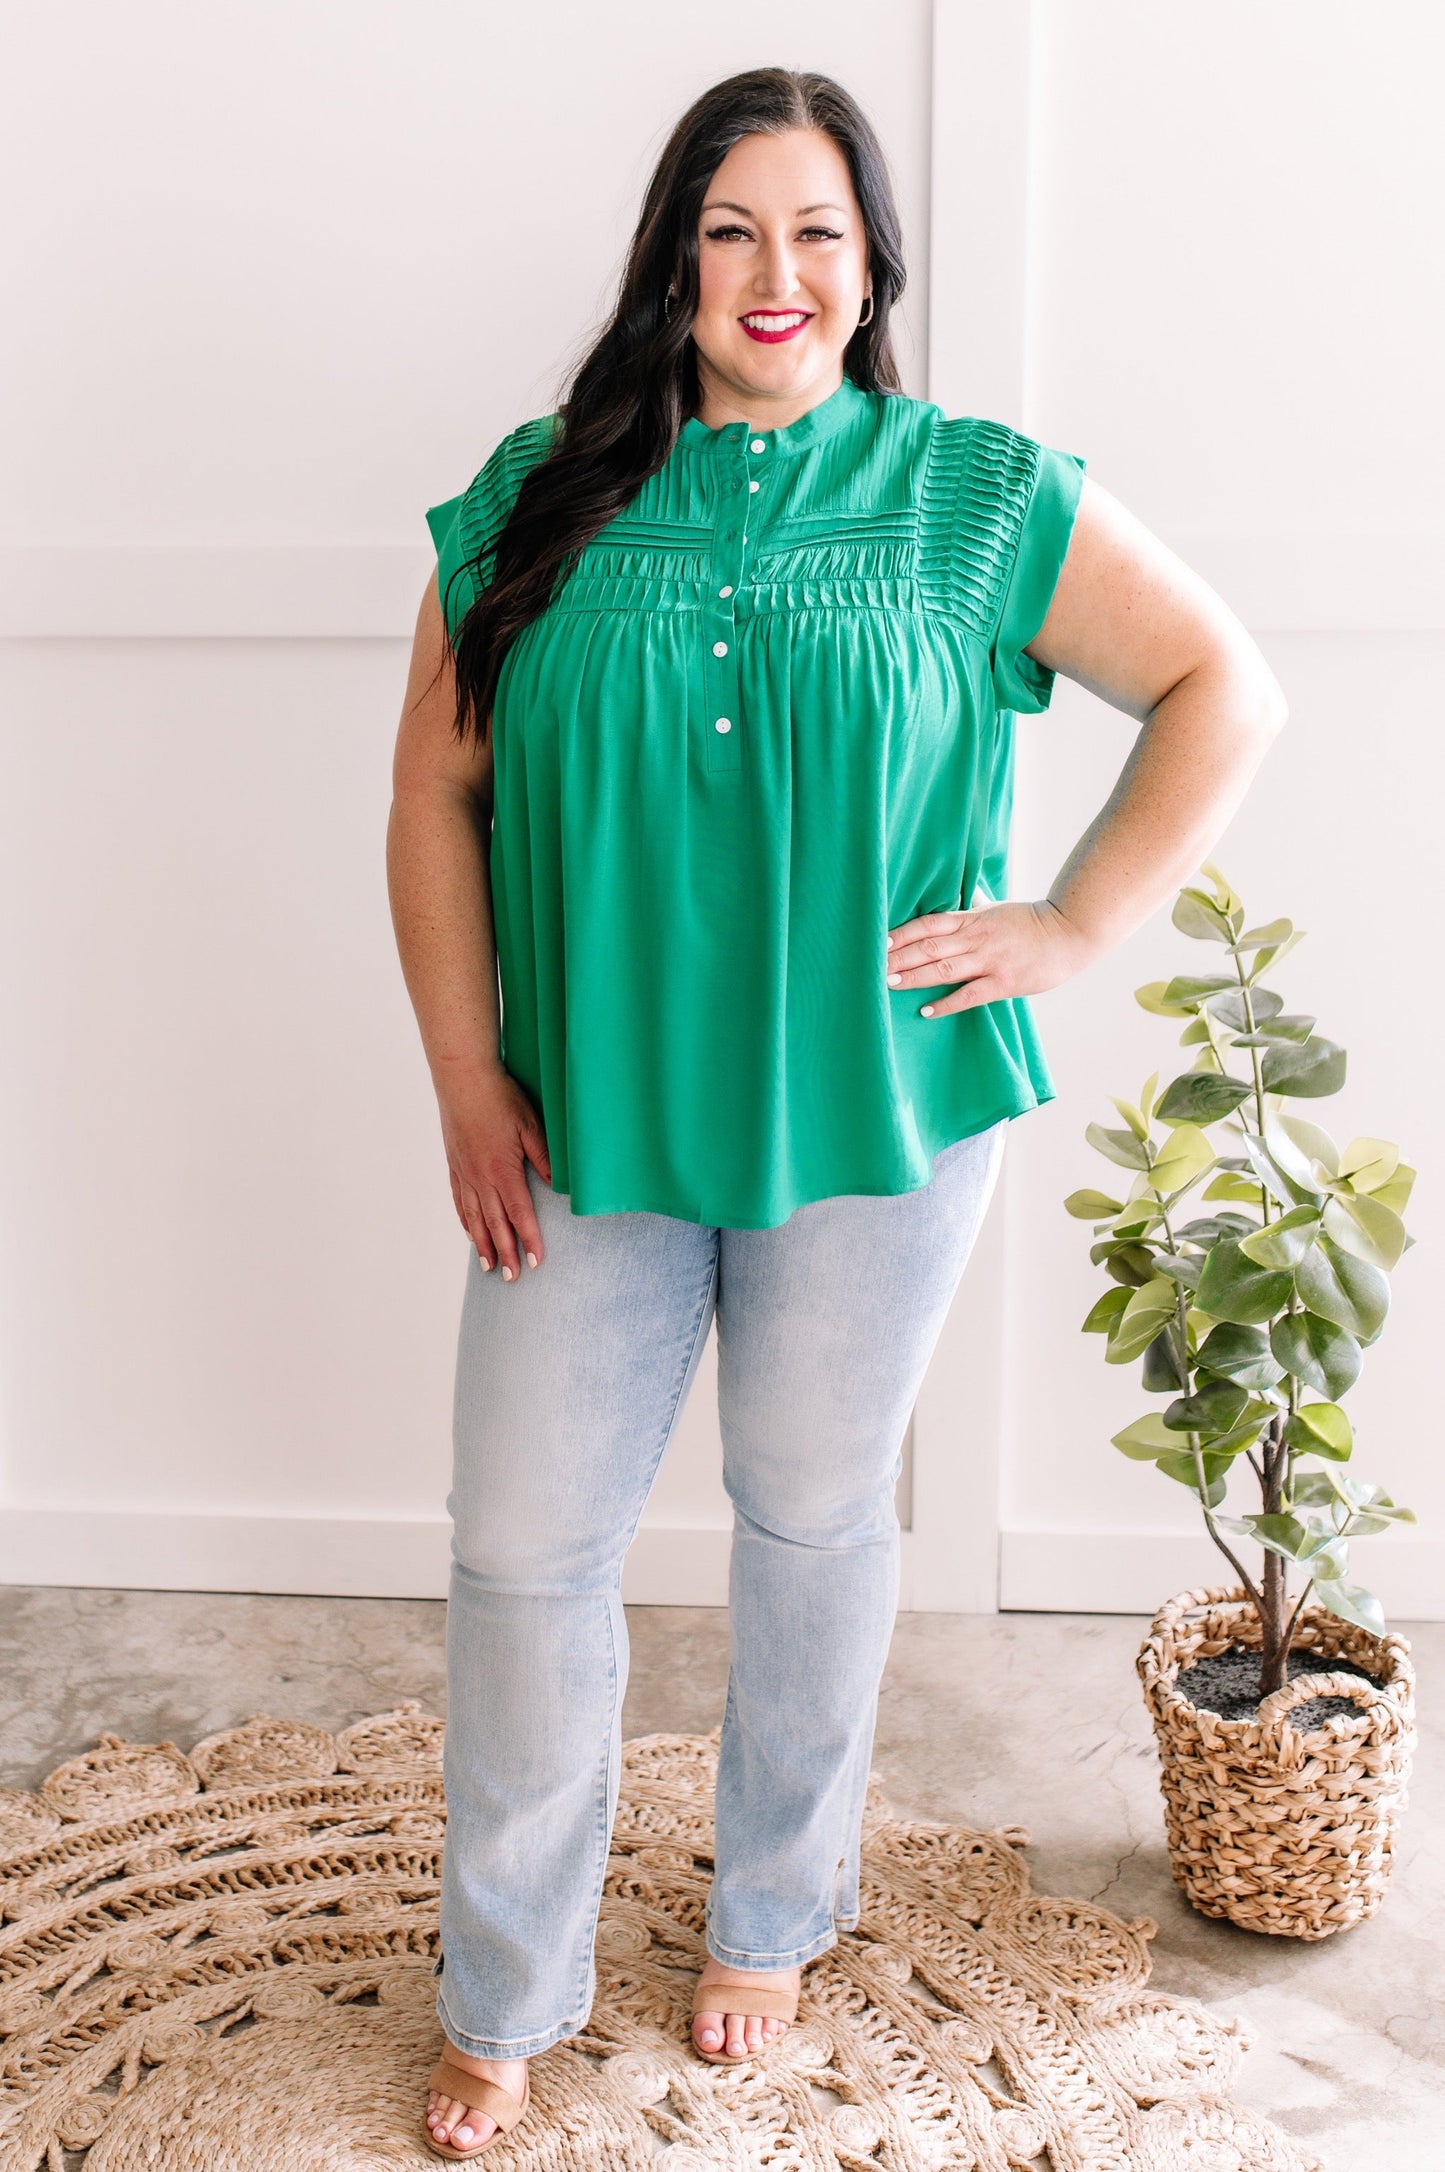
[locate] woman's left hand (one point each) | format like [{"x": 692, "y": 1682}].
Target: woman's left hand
[{"x": 991, "y": 952}]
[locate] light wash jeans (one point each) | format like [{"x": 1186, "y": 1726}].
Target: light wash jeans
[{"x": 569, "y": 1383}]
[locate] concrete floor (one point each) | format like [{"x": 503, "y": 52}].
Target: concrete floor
[{"x": 1031, "y": 1719}]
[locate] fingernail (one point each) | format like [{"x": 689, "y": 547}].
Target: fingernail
[
  {"x": 531, "y": 1259},
  {"x": 890, "y": 942},
  {"x": 927, "y": 1011},
  {"x": 486, "y": 1264},
  {"x": 506, "y": 1274},
  {"x": 894, "y": 979}
]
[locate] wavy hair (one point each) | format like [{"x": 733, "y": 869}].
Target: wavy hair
[{"x": 637, "y": 384}]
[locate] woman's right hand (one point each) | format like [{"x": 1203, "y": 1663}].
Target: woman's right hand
[{"x": 491, "y": 1130}]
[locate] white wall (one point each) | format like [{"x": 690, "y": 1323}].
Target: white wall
[
  {"x": 288, "y": 272},
  {"x": 1232, "y": 306}
]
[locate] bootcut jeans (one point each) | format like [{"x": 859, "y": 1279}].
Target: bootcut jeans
[{"x": 569, "y": 1383}]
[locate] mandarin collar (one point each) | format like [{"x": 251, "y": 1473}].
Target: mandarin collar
[{"x": 838, "y": 409}]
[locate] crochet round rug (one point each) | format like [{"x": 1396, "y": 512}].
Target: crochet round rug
[{"x": 221, "y": 1961}]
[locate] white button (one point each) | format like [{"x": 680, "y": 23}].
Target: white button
[
  {"x": 755, "y": 486},
  {"x": 719, "y": 648},
  {"x": 724, "y": 724},
  {"x": 760, "y": 444},
  {"x": 726, "y": 591}
]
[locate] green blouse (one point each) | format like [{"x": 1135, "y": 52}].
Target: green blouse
[{"x": 767, "y": 717}]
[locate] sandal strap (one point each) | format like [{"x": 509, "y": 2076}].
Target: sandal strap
[
  {"x": 765, "y": 2002},
  {"x": 482, "y": 2095}
]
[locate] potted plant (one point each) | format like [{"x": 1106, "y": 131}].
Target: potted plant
[{"x": 1285, "y": 1720}]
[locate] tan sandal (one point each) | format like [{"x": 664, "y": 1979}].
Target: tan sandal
[
  {"x": 480, "y": 2095},
  {"x": 763, "y": 2002}
]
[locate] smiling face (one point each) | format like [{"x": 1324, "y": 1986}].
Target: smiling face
[{"x": 782, "y": 276}]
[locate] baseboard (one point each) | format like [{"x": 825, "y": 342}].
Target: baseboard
[
  {"x": 344, "y": 1557},
  {"x": 327, "y": 1556},
  {"x": 1130, "y": 1572}
]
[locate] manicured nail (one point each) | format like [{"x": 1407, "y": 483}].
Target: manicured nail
[
  {"x": 894, "y": 979},
  {"x": 531, "y": 1259},
  {"x": 709, "y": 2036},
  {"x": 927, "y": 1011},
  {"x": 891, "y": 940},
  {"x": 486, "y": 1265},
  {"x": 506, "y": 1274}
]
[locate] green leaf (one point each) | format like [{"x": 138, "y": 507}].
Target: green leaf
[
  {"x": 1180, "y": 1267},
  {"x": 1313, "y": 1069},
  {"x": 1105, "y": 1312},
  {"x": 1146, "y": 1098},
  {"x": 1192, "y": 988},
  {"x": 1229, "y": 1008},
  {"x": 1196, "y": 1031},
  {"x": 1225, "y": 896},
  {"x": 1197, "y": 915},
  {"x": 1232, "y": 1287},
  {"x": 1119, "y": 1146},
  {"x": 1303, "y": 1150},
  {"x": 1269, "y": 937},
  {"x": 1160, "y": 1374},
  {"x": 1181, "y": 1161},
  {"x": 1141, "y": 1320},
  {"x": 1229, "y": 1186},
  {"x": 1352, "y": 1603},
  {"x": 1215, "y": 1409},
  {"x": 1282, "y": 1243},
  {"x": 1320, "y": 1429},
  {"x": 1089, "y": 1206},
  {"x": 1396, "y": 1194},
  {"x": 1210, "y": 1226},
  {"x": 1181, "y": 1467},
  {"x": 1339, "y": 1286},
  {"x": 1286, "y": 1026},
  {"x": 1369, "y": 1163},
  {"x": 1282, "y": 1534},
  {"x": 1132, "y": 1264},
  {"x": 1241, "y": 1354},
  {"x": 1145, "y": 1439},
  {"x": 1315, "y": 1489},
  {"x": 1367, "y": 1229},
  {"x": 1151, "y": 997},
  {"x": 1272, "y": 955},
  {"x": 1133, "y": 1117},
  {"x": 1324, "y": 1356},
  {"x": 1201, "y": 1097}
]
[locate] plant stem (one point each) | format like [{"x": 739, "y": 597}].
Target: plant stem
[{"x": 1213, "y": 1529}]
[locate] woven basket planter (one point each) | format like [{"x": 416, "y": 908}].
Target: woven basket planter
[{"x": 1279, "y": 1831}]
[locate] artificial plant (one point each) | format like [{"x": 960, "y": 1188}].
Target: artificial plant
[{"x": 1252, "y": 1318}]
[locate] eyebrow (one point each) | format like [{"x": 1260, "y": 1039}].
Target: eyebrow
[{"x": 724, "y": 206}]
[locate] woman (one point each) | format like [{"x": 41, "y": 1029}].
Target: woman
[{"x": 746, "y": 628}]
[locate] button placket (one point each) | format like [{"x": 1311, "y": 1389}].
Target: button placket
[{"x": 738, "y": 454}]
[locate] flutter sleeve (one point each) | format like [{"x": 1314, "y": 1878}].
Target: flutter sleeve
[
  {"x": 465, "y": 529},
  {"x": 1044, "y": 525}
]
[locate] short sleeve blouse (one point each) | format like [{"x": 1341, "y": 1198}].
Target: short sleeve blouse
[{"x": 766, "y": 718}]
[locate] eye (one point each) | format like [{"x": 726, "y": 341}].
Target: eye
[
  {"x": 717, "y": 233},
  {"x": 829, "y": 233}
]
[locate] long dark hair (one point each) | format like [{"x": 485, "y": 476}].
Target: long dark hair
[{"x": 637, "y": 384}]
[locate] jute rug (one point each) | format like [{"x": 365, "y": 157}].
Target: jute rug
[{"x": 222, "y": 1962}]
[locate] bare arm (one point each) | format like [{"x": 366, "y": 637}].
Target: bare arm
[
  {"x": 437, "y": 844},
  {"x": 1134, "y": 624}
]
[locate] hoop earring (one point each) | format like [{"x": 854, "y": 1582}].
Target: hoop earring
[
  {"x": 669, "y": 303},
  {"x": 869, "y": 318}
]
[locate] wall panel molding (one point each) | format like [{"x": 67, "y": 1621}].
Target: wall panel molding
[
  {"x": 346, "y": 1557},
  {"x": 1066, "y": 1572},
  {"x": 1321, "y": 583}
]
